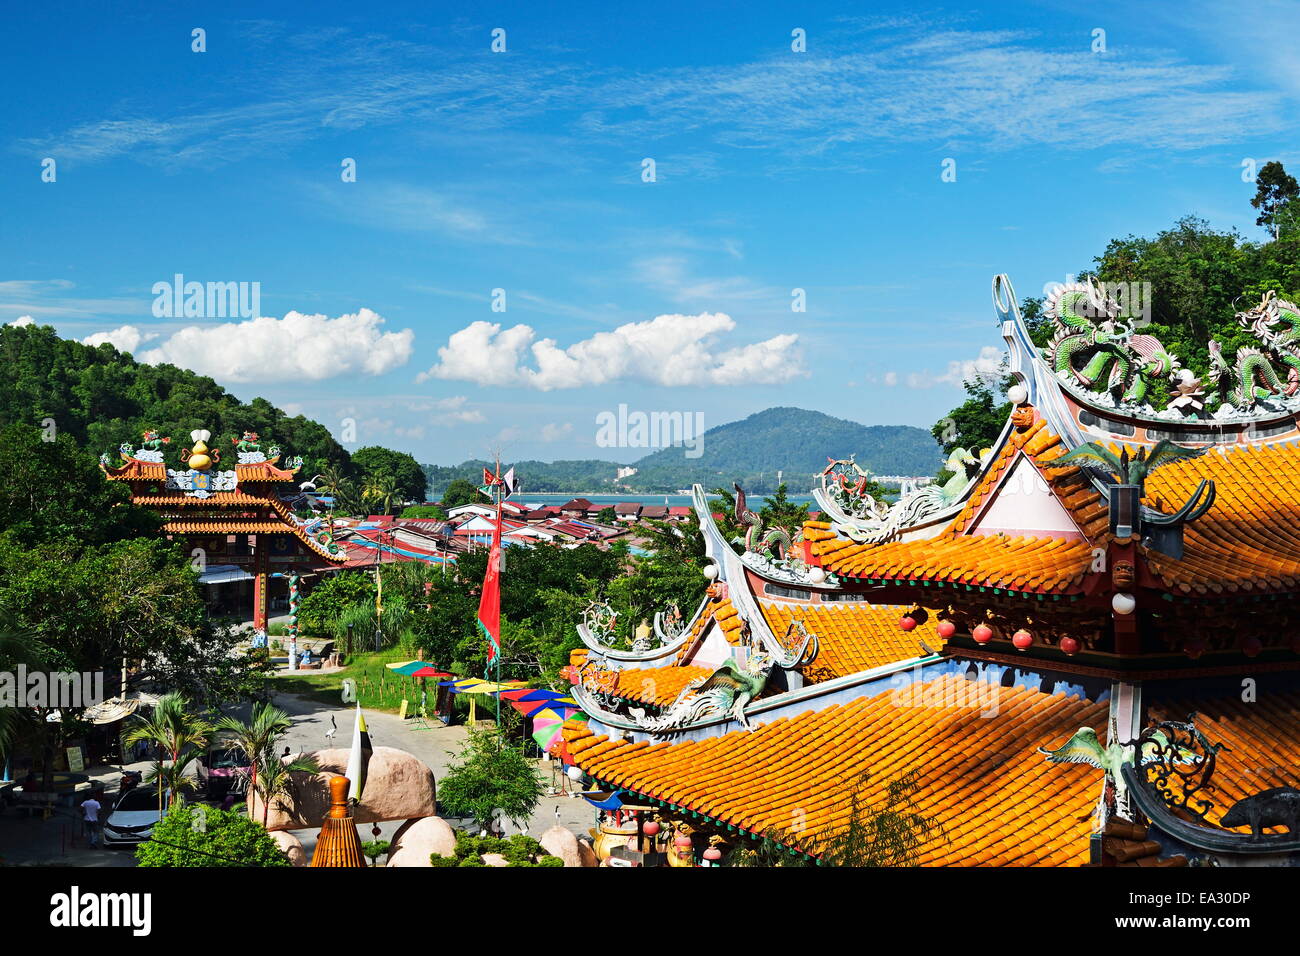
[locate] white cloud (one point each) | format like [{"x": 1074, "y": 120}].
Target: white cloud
[
  {"x": 312, "y": 347},
  {"x": 986, "y": 367},
  {"x": 553, "y": 432},
  {"x": 891, "y": 379},
  {"x": 22, "y": 320},
  {"x": 669, "y": 350},
  {"x": 453, "y": 410},
  {"x": 126, "y": 338}
]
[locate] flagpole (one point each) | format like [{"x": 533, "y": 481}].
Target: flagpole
[{"x": 499, "y": 488}]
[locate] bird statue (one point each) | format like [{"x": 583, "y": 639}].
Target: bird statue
[
  {"x": 1085, "y": 748},
  {"x": 334, "y": 728}
]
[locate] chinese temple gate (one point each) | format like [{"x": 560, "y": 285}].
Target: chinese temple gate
[{"x": 229, "y": 515}]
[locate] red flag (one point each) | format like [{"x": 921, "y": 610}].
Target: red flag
[{"x": 489, "y": 605}]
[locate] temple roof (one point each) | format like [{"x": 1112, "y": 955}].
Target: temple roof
[
  {"x": 852, "y": 636},
  {"x": 1250, "y": 538},
  {"x": 981, "y": 779},
  {"x": 966, "y": 553}
]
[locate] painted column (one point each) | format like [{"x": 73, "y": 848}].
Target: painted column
[
  {"x": 261, "y": 587},
  {"x": 293, "y": 621}
]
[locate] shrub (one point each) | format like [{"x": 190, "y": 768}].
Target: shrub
[{"x": 194, "y": 835}]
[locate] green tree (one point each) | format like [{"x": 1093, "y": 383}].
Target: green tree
[
  {"x": 779, "y": 511},
  {"x": 375, "y": 463},
  {"x": 275, "y": 778},
  {"x": 382, "y": 493},
  {"x": 607, "y": 516},
  {"x": 51, "y": 490},
  {"x": 490, "y": 782},
  {"x": 193, "y": 835},
  {"x": 424, "y": 511},
  {"x": 462, "y": 492},
  {"x": 1276, "y": 189}
]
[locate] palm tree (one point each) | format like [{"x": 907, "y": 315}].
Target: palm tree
[
  {"x": 257, "y": 737},
  {"x": 1128, "y": 469},
  {"x": 335, "y": 484},
  {"x": 275, "y": 780},
  {"x": 383, "y": 491},
  {"x": 179, "y": 736}
]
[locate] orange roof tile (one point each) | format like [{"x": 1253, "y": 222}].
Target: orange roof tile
[
  {"x": 996, "y": 800},
  {"x": 852, "y": 636},
  {"x": 658, "y": 685},
  {"x": 729, "y": 622},
  {"x": 1031, "y": 564},
  {"x": 1250, "y": 538}
]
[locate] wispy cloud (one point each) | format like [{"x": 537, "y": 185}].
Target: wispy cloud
[{"x": 996, "y": 89}]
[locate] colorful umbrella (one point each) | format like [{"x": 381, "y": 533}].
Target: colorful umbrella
[
  {"x": 530, "y": 707},
  {"x": 428, "y": 671},
  {"x": 408, "y": 668}
]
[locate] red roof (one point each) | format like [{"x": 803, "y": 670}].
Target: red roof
[{"x": 680, "y": 510}]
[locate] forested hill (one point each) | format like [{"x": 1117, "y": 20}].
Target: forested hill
[
  {"x": 796, "y": 442},
  {"x": 793, "y": 441},
  {"x": 103, "y": 397}
]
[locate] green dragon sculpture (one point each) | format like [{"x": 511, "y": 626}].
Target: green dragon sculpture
[
  {"x": 775, "y": 539},
  {"x": 1276, "y": 324},
  {"x": 1093, "y": 348},
  {"x": 727, "y": 691}
]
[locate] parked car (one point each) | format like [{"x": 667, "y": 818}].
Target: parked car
[
  {"x": 133, "y": 817},
  {"x": 222, "y": 769}
]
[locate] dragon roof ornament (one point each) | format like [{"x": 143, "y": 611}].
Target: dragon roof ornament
[
  {"x": 1099, "y": 359},
  {"x": 860, "y": 517}
]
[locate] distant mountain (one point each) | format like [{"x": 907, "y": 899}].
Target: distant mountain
[{"x": 793, "y": 441}]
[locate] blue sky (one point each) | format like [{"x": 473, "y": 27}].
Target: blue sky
[{"x": 522, "y": 171}]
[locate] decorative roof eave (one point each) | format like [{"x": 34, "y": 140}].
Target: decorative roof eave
[
  {"x": 808, "y": 697},
  {"x": 645, "y": 657}
]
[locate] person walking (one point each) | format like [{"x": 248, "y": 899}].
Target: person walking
[{"x": 90, "y": 807}]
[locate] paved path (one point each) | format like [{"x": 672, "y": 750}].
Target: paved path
[{"x": 58, "y": 841}]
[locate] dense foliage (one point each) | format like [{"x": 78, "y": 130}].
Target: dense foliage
[
  {"x": 490, "y": 782},
  {"x": 518, "y": 850},
  {"x": 102, "y": 397},
  {"x": 193, "y": 835}
]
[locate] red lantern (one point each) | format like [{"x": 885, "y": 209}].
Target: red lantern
[
  {"x": 1251, "y": 646},
  {"x": 682, "y": 841},
  {"x": 1069, "y": 645},
  {"x": 946, "y": 629},
  {"x": 908, "y": 623},
  {"x": 1022, "y": 639},
  {"x": 713, "y": 854},
  {"x": 1194, "y": 648},
  {"x": 651, "y": 828},
  {"x": 982, "y": 633}
]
